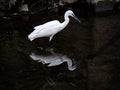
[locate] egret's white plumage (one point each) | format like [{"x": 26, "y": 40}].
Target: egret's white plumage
[{"x": 50, "y": 28}]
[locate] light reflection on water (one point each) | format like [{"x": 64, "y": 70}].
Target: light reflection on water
[{"x": 54, "y": 60}]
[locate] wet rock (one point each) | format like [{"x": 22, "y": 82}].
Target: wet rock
[{"x": 24, "y": 9}]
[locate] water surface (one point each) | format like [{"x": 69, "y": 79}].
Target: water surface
[{"x": 89, "y": 45}]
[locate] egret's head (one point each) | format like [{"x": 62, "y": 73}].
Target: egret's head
[{"x": 70, "y": 13}]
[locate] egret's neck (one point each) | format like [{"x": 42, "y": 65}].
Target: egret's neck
[{"x": 66, "y": 18}]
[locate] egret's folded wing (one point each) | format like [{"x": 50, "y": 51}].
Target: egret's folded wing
[{"x": 46, "y": 25}]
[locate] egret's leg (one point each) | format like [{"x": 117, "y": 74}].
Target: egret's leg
[{"x": 51, "y": 38}]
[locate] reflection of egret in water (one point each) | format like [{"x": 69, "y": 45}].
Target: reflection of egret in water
[{"x": 54, "y": 60}]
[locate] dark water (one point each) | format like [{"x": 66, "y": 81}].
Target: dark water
[{"x": 93, "y": 46}]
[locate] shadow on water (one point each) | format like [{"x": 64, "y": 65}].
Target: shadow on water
[{"x": 20, "y": 70}]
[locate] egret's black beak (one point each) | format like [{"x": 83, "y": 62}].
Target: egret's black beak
[{"x": 76, "y": 18}]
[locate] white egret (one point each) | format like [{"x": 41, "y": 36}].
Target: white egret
[{"x": 50, "y": 28}]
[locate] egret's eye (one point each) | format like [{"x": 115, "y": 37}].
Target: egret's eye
[{"x": 73, "y": 15}]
